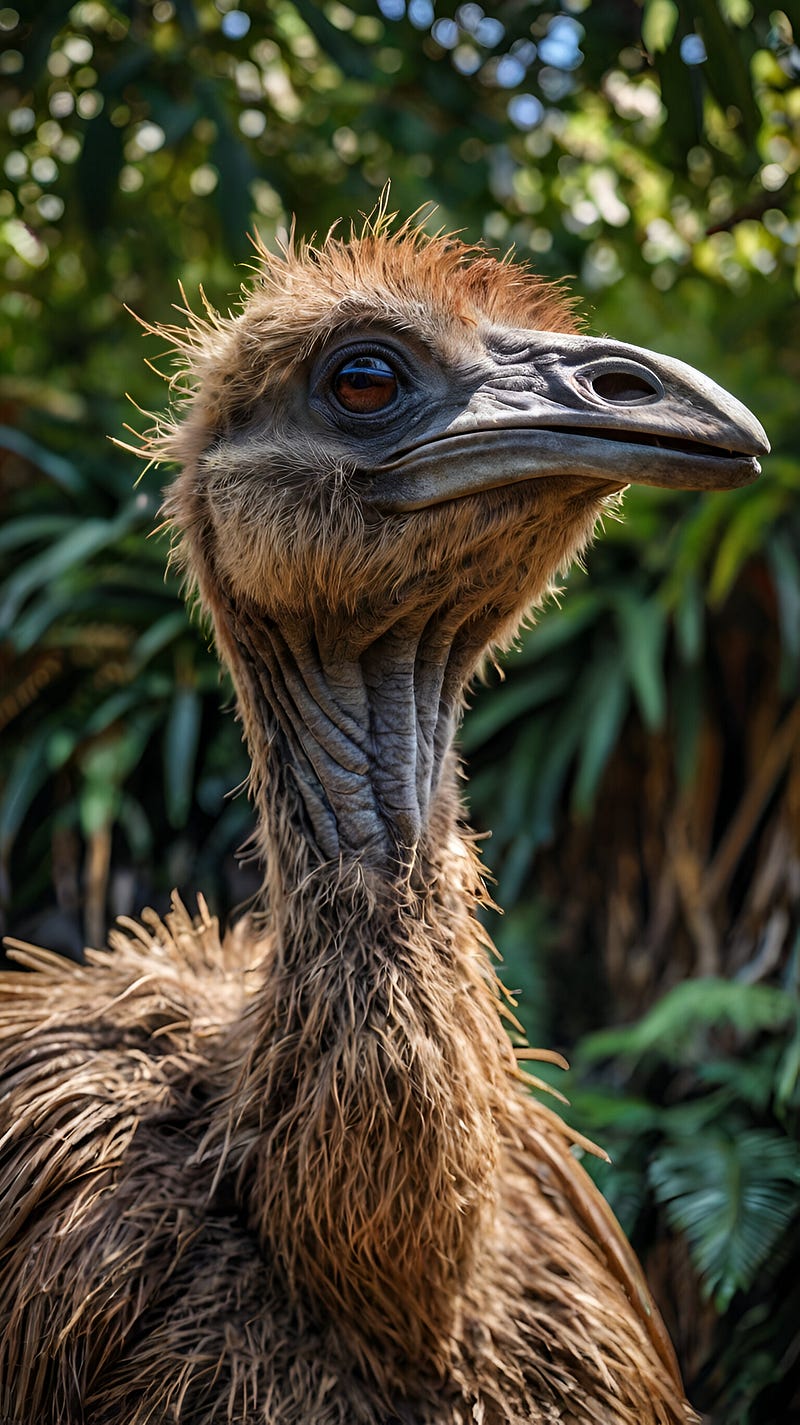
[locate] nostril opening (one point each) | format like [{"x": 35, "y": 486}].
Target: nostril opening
[{"x": 623, "y": 388}]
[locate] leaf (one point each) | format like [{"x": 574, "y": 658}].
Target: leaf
[
  {"x": 98, "y": 169},
  {"x": 28, "y": 773},
  {"x": 733, "y": 1198},
  {"x": 86, "y": 538},
  {"x": 626, "y": 1194},
  {"x": 643, "y": 628},
  {"x": 559, "y": 626},
  {"x": 105, "y": 765},
  {"x": 132, "y": 818},
  {"x": 350, "y": 56},
  {"x": 504, "y": 705},
  {"x": 144, "y": 693},
  {"x": 755, "y": 513},
  {"x": 560, "y": 738},
  {"x": 682, "y": 93},
  {"x": 752, "y": 1082},
  {"x": 31, "y": 626},
  {"x": 658, "y": 24},
  {"x": 181, "y": 738},
  {"x": 235, "y": 167},
  {"x": 48, "y": 18},
  {"x": 605, "y": 703},
  {"x": 689, "y": 618},
  {"x": 62, "y": 471},
  {"x": 27, "y": 529},
  {"x": 788, "y": 1074},
  {"x": 158, "y": 635},
  {"x": 675, "y": 1026},
  {"x": 727, "y": 71}
]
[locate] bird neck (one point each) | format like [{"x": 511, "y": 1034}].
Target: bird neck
[
  {"x": 350, "y": 733},
  {"x": 366, "y": 1114}
]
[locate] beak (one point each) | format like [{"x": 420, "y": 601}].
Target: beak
[{"x": 558, "y": 405}]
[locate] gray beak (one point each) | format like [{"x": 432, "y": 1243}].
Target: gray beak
[{"x": 556, "y": 405}]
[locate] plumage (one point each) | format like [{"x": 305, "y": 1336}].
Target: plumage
[{"x": 293, "y": 1175}]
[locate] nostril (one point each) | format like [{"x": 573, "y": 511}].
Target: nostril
[{"x": 623, "y": 388}]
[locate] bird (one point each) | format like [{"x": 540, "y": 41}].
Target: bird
[{"x": 295, "y": 1173}]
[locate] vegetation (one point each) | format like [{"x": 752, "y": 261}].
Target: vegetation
[{"x": 640, "y": 765}]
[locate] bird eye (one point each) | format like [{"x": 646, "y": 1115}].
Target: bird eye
[{"x": 365, "y": 384}]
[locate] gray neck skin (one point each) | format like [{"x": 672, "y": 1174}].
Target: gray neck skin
[
  {"x": 362, "y": 735},
  {"x": 362, "y": 1126}
]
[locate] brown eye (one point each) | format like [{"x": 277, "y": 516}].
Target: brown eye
[{"x": 365, "y": 384}]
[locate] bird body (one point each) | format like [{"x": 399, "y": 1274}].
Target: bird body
[
  {"x": 181, "y": 1218},
  {"x": 294, "y": 1176}
]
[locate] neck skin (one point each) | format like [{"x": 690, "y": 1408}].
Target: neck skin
[{"x": 366, "y": 1114}]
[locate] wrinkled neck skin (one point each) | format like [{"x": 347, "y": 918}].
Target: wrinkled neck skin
[
  {"x": 378, "y": 1063},
  {"x": 359, "y": 730}
]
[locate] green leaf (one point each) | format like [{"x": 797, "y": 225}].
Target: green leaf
[
  {"x": 27, "y": 774},
  {"x": 689, "y": 618},
  {"x": 514, "y": 700},
  {"x": 41, "y": 614},
  {"x": 62, "y": 471},
  {"x": 682, "y": 93},
  {"x": 560, "y": 737},
  {"x": 70, "y": 552},
  {"x": 181, "y": 738},
  {"x": 605, "y": 704},
  {"x": 658, "y": 24},
  {"x": 350, "y": 56},
  {"x": 727, "y": 71},
  {"x": 733, "y": 1198},
  {"x": 98, "y": 169},
  {"x": 559, "y": 626},
  {"x": 755, "y": 513},
  {"x": 643, "y": 629},
  {"x": 158, "y": 635},
  {"x": 133, "y": 820},
  {"x": 29, "y": 529},
  {"x": 788, "y": 1074},
  {"x": 675, "y": 1027},
  {"x": 145, "y": 693}
]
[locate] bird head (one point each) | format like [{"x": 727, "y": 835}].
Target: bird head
[{"x": 398, "y": 422}]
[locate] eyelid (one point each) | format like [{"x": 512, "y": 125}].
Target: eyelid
[{"x": 366, "y": 346}]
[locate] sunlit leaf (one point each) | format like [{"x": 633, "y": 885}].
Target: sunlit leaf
[{"x": 658, "y": 24}]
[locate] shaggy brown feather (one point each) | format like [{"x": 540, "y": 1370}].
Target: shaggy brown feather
[{"x": 294, "y": 1176}]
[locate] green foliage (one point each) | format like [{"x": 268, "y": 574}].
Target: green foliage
[
  {"x": 109, "y": 683},
  {"x": 698, "y": 1104},
  {"x": 732, "y": 1199},
  {"x": 678, "y": 1027}
]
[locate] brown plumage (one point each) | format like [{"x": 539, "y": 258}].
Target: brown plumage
[{"x": 293, "y": 1175}]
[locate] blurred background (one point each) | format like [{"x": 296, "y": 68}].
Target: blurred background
[{"x": 640, "y": 764}]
